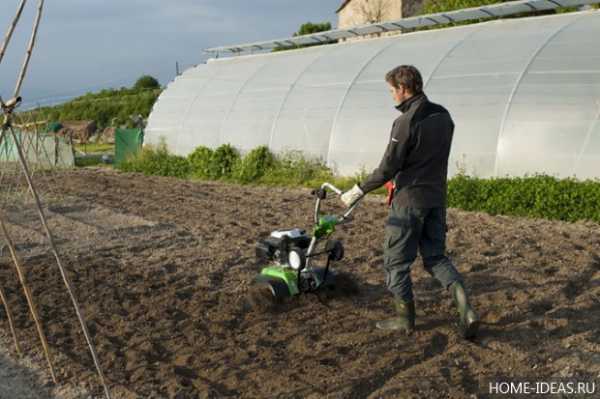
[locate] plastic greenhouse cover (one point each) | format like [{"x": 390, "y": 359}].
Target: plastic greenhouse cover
[{"x": 524, "y": 95}]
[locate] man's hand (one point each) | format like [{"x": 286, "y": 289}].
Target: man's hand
[{"x": 350, "y": 197}]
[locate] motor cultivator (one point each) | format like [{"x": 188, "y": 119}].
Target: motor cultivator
[{"x": 291, "y": 254}]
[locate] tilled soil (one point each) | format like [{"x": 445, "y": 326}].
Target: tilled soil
[
  {"x": 162, "y": 268},
  {"x": 21, "y": 378}
]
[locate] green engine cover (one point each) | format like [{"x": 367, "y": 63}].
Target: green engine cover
[
  {"x": 289, "y": 276},
  {"x": 325, "y": 227}
]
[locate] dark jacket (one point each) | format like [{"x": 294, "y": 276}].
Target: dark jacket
[{"x": 417, "y": 155}]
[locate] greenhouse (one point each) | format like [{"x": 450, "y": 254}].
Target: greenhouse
[{"x": 524, "y": 94}]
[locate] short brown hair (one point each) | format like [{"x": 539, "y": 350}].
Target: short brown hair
[{"x": 407, "y": 76}]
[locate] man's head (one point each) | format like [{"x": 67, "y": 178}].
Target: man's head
[{"x": 405, "y": 81}]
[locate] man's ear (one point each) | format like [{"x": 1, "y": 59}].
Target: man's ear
[{"x": 405, "y": 91}]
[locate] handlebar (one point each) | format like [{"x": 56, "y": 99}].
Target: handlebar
[
  {"x": 332, "y": 188},
  {"x": 321, "y": 194}
]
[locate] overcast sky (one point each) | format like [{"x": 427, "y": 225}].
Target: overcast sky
[{"x": 86, "y": 45}]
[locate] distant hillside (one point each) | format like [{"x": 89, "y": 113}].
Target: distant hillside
[{"x": 111, "y": 107}]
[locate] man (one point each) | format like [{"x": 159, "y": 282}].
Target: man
[{"x": 416, "y": 159}]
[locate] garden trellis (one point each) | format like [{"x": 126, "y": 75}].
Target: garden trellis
[{"x": 7, "y": 131}]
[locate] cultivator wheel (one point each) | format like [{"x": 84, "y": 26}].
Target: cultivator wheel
[{"x": 267, "y": 295}]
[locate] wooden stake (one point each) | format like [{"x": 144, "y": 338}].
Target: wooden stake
[
  {"x": 11, "y": 29},
  {"x": 36, "y": 25},
  {"x": 10, "y": 321},
  {"x": 23, "y": 162},
  {"x": 32, "y": 308},
  {"x": 61, "y": 268}
]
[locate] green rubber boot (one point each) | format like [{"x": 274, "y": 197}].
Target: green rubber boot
[
  {"x": 405, "y": 320},
  {"x": 468, "y": 319}
]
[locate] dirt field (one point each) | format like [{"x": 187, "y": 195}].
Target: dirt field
[{"x": 162, "y": 269}]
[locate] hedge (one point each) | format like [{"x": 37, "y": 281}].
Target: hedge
[{"x": 537, "y": 196}]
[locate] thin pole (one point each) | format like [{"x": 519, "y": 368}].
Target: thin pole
[
  {"x": 6, "y": 124},
  {"x": 2, "y": 133},
  {"x": 60, "y": 265},
  {"x": 29, "y": 49},
  {"x": 11, "y": 29},
  {"x": 30, "y": 302},
  {"x": 10, "y": 321}
]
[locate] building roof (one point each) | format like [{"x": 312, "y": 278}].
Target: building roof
[{"x": 344, "y": 4}]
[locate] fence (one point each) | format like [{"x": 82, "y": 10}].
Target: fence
[{"x": 42, "y": 150}]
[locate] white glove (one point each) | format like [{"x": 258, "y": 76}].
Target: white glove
[{"x": 350, "y": 197}]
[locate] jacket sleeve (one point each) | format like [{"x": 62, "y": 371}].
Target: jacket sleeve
[{"x": 393, "y": 158}]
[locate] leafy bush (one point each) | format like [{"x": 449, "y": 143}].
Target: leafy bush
[
  {"x": 292, "y": 169},
  {"x": 306, "y": 29},
  {"x": 157, "y": 161},
  {"x": 223, "y": 161},
  {"x": 539, "y": 196},
  {"x": 310, "y": 28},
  {"x": 254, "y": 165},
  {"x": 200, "y": 162}
]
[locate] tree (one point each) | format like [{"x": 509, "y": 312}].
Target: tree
[
  {"x": 310, "y": 28},
  {"x": 146, "y": 82},
  {"x": 307, "y": 29},
  {"x": 373, "y": 11}
]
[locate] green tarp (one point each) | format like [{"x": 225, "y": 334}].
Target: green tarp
[
  {"x": 128, "y": 142},
  {"x": 54, "y": 127}
]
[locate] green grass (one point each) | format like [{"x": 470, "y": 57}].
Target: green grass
[
  {"x": 88, "y": 160},
  {"x": 96, "y": 148},
  {"x": 157, "y": 161}
]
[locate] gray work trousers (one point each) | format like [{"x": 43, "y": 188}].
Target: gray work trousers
[{"x": 410, "y": 229}]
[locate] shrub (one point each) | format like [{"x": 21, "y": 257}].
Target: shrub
[
  {"x": 223, "y": 161},
  {"x": 306, "y": 29},
  {"x": 292, "y": 169},
  {"x": 539, "y": 196},
  {"x": 310, "y": 28},
  {"x": 157, "y": 161},
  {"x": 254, "y": 165},
  {"x": 200, "y": 162}
]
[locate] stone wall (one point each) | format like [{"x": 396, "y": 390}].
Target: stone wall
[
  {"x": 361, "y": 12},
  {"x": 358, "y": 12}
]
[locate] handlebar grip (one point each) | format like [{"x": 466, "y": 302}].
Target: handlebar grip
[{"x": 332, "y": 188}]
